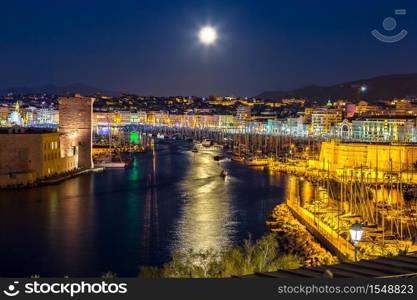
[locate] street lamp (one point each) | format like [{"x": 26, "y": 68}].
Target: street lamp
[{"x": 356, "y": 231}]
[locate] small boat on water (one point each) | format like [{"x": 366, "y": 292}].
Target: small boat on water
[
  {"x": 237, "y": 158},
  {"x": 195, "y": 150},
  {"x": 110, "y": 164},
  {"x": 207, "y": 143},
  {"x": 256, "y": 162}
]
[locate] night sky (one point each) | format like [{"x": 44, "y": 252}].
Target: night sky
[{"x": 152, "y": 47}]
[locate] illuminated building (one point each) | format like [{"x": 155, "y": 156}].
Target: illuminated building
[
  {"x": 350, "y": 110},
  {"x": 30, "y": 115},
  {"x": 45, "y": 116},
  {"x": 103, "y": 118},
  {"x": 308, "y": 111},
  {"x": 27, "y": 155},
  {"x": 4, "y": 115},
  {"x": 322, "y": 119},
  {"x": 275, "y": 126},
  {"x": 227, "y": 121},
  {"x": 335, "y": 156},
  {"x": 243, "y": 114},
  {"x": 363, "y": 107},
  {"x": 138, "y": 117},
  {"x": 384, "y": 129},
  {"x": 125, "y": 117},
  {"x": 297, "y": 126},
  {"x": 289, "y": 126},
  {"x": 344, "y": 130},
  {"x": 207, "y": 121},
  {"x": 75, "y": 127}
]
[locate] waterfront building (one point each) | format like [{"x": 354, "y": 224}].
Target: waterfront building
[
  {"x": 275, "y": 126},
  {"x": 340, "y": 156},
  {"x": 124, "y": 117},
  {"x": 138, "y": 117},
  {"x": 4, "y": 115},
  {"x": 297, "y": 126},
  {"x": 28, "y": 155},
  {"x": 386, "y": 129},
  {"x": 227, "y": 121},
  {"x": 323, "y": 118},
  {"x": 30, "y": 115},
  {"x": 176, "y": 120},
  {"x": 344, "y": 130},
  {"x": 103, "y": 118},
  {"x": 75, "y": 127},
  {"x": 256, "y": 126},
  {"x": 158, "y": 118},
  {"x": 45, "y": 116},
  {"x": 290, "y": 126},
  {"x": 207, "y": 121},
  {"x": 243, "y": 114}
]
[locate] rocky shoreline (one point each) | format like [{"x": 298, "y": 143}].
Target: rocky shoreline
[{"x": 294, "y": 238}]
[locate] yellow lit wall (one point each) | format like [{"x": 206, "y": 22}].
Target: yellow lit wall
[{"x": 384, "y": 157}]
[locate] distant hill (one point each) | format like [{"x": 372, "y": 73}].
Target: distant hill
[
  {"x": 378, "y": 88},
  {"x": 80, "y": 88}
]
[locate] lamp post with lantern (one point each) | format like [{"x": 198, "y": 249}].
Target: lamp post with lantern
[{"x": 356, "y": 232}]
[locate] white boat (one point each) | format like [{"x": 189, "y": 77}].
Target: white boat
[
  {"x": 207, "y": 143},
  {"x": 257, "y": 162},
  {"x": 110, "y": 164}
]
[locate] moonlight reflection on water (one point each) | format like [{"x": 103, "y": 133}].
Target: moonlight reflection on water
[{"x": 118, "y": 220}]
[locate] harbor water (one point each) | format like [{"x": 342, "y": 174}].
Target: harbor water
[{"x": 168, "y": 200}]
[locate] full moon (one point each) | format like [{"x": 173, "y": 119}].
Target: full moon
[{"x": 208, "y": 35}]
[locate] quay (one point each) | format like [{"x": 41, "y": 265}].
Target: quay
[
  {"x": 52, "y": 180},
  {"x": 328, "y": 238}
]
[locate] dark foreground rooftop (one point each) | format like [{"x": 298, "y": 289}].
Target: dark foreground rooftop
[{"x": 384, "y": 267}]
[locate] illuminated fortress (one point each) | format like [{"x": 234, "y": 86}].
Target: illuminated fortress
[
  {"x": 28, "y": 155},
  {"x": 385, "y": 157},
  {"x": 75, "y": 122}
]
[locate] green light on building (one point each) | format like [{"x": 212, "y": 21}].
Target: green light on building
[{"x": 134, "y": 137}]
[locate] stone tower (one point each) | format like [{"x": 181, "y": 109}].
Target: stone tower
[{"x": 75, "y": 128}]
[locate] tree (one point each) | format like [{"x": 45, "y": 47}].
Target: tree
[{"x": 261, "y": 256}]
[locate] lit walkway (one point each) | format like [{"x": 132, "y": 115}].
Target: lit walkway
[{"x": 319, "y": 228}]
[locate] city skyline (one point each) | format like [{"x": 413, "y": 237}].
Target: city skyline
[
  {"x": 207, "y": 139},
  {"x": 269, "y": 47}
]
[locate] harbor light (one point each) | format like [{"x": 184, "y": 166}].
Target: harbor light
[
  {"x": 363, "y": 88},
  {"x": 356, "y": 232}
]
